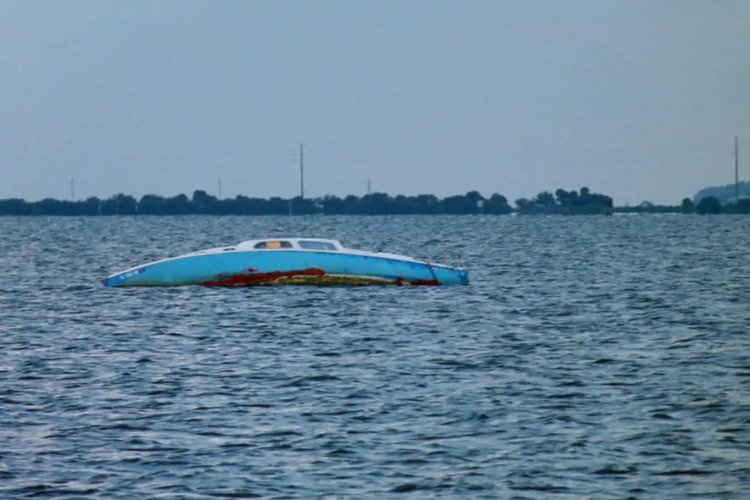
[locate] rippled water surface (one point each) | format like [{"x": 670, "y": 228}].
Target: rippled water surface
[{"x": 603, "y": 357}]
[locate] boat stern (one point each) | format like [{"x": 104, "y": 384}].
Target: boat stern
[{"x": 446, "y": 275}]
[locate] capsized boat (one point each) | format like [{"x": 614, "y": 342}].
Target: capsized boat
[{"x": 288, "y": 261}]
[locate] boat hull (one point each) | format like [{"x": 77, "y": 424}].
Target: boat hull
[{"x": 283, "y": 267}]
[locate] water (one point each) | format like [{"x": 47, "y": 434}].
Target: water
[{"x": 602, "y": 357}]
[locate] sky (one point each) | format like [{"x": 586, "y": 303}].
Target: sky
[{"x": 640, "y": 100}]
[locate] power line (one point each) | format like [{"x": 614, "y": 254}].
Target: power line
[
  {"x": 302, "y": 171},
  {"x": 736, "y": 171}
]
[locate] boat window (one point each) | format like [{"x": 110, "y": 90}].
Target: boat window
[
  {"x": 317, "y": 245},
  {"x": 273, "y": 245}
]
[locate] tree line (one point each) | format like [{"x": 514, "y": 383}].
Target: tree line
[
  {"x": 582, "y": 202},
  {"x": 706, "y": 205},
  {"x": 567, "y": 203},
  {"x": 203, "y": 203}
]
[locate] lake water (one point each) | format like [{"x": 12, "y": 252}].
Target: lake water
[{"x": 590, "y": 356}]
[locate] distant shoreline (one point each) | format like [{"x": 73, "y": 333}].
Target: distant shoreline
[{"x": 583, "y": 202}]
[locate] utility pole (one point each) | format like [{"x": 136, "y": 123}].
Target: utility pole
[
  {"x": 369, "y": 190},
  {"x": 736, "y": 171},
  {"x": 72, "y": 190},
  {"x": 219, "y": 188},
  {"x": 302, "y": 171}
]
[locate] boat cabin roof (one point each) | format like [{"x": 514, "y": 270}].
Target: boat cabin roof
[
  {"x": 320, "y": 244},
  {"x": 299, "y": 244}
]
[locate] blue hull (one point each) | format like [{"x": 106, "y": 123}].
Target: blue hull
[{"x": 286, "y": 267}]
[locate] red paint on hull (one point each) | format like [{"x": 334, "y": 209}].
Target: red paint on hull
[
  {"x": 424, "y": 283},
  {"x": 254, "y": 278},
  {"x": 310, "y": 276}
]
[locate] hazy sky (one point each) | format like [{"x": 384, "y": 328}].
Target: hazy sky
[{"x": 637, "y": 99}]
